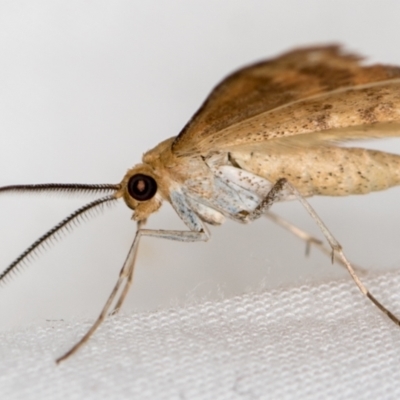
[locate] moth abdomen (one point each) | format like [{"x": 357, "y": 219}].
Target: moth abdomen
[{"x": 327, "y": 170}]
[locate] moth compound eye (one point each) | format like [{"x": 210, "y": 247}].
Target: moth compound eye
[{"x": 142, "y": 187}]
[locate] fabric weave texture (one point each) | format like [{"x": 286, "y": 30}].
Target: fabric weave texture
[{"x": 310, "y": 342}]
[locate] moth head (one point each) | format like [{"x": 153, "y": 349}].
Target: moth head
[{"x": 140, "y": 191}]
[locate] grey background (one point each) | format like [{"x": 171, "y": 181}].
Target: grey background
[{"x": 87, "y": 87}]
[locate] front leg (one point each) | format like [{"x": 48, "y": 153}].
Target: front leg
[
  {"x": 126, "y": 274},
  {"x": 197, "y": 232},
  {"x": 181, "y": 236}
]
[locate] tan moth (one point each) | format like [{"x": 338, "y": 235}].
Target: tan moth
[{"x": 269, "y": 132}]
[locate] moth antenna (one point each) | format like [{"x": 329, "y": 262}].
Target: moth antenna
[
  {"x": 63, "y": 226},
  {"x": 61, "y": 188}
]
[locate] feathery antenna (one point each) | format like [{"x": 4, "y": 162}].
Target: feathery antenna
[
  {"x": 55, "y": 231},
  {"x": 61, "y": 187}
]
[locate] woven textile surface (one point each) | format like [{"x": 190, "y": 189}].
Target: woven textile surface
[{"x": 312, "y": 342}]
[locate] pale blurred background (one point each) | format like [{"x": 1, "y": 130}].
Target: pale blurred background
[{"x": 87, "y": 87}]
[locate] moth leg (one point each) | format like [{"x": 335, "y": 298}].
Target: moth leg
[
  {"x": 283, "y": 184},
  {"x": 182, "y": 236},
  {"x": 303, "y": 235},
  {"x": 125, "y": 290},
  {"x": 126, "y": 274},
  {"x": 309, "y": 239}
]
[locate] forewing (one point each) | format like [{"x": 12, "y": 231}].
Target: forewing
[{"x": 306, "y": 91}]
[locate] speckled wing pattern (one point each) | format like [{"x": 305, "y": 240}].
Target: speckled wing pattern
[{"x": 305, "y": 96}]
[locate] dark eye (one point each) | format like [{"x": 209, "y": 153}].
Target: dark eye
[{"x": 142, "y": 187}]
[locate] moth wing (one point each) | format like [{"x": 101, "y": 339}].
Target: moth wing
[
  {"x": 313, "y": 91},
  {"x": 368, "y": 112}
]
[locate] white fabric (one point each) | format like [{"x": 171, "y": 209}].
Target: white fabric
[{"x": 312, "y": 342}]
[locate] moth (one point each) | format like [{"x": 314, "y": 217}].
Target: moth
[{"x": 272, "y": 131}]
